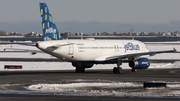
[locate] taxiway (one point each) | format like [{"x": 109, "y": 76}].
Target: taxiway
[{"x": 20, "y": 79}]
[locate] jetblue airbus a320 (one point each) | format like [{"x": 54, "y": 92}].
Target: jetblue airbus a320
[{"x": 84, "y": 53}]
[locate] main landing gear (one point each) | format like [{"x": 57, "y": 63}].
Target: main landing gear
[
  {"x": 80, "y": 69},
  {"x": 118, "y": 69}
]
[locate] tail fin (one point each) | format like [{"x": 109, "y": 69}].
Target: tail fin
[{"x": 50, "y": 31}]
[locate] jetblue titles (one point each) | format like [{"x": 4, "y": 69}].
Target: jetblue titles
[
  {"x": 50, "y": 30},
  {"x": 131, "y": 46}
]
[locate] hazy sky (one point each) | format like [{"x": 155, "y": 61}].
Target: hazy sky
[{"x": 125, "y": 11}]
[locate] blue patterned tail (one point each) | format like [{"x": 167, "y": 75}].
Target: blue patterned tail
[{"x": 50, "y": 31}]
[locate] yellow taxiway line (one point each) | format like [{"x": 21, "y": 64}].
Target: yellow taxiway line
[{"x": 4, "y": 88}]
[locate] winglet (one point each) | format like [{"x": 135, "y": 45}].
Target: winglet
[{"x": 174, "y": 50}]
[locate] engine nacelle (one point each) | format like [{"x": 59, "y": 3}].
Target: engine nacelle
[
  {"x": 85, "y": 65},
  {"x": 141, "y": 63}
]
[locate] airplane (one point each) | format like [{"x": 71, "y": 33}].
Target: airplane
[{"x": 84, "y": 53}]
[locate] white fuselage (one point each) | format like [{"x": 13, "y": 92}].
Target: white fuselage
[{"x": 90, "y": 49}]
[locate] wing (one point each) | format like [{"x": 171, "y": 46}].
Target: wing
[
  {"x": 135, "y": 55},
  {"x": 15, "y": 50}
]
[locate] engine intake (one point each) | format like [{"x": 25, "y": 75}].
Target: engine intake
[{"x": 141, "y": 63}]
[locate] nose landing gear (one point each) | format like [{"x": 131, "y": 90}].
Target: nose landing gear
[{"x": 118, "y": 69}]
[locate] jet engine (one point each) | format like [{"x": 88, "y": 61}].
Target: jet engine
[
  {"x": 85, "y": 65},
  {"x": 141, "y": 63}
]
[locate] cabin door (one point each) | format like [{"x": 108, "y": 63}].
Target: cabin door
[{"x": 71, "y": 48}]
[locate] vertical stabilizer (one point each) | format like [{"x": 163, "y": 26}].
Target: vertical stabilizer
[{"x": 50, "y": 31}]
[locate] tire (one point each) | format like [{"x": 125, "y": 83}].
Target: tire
[
  {"x": 77, "y": 70},
  {"x": 82, "y": 70},
  {"x": 115, "y": 70},
  {"x": 120, "y": 70}
]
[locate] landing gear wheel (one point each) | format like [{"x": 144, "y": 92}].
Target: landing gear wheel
[
  {"x": 115, "y": 70},
  {"x": 80, "y": 70},
  {"x": 120, "y": 70},
  {"x": 77, "y": 70},
  {"x": 133, "y": 70}
]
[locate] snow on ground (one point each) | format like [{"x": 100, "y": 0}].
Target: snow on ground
[
  {"x": 115, "y": 89},
  {"x": 68, "y": 66}
]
